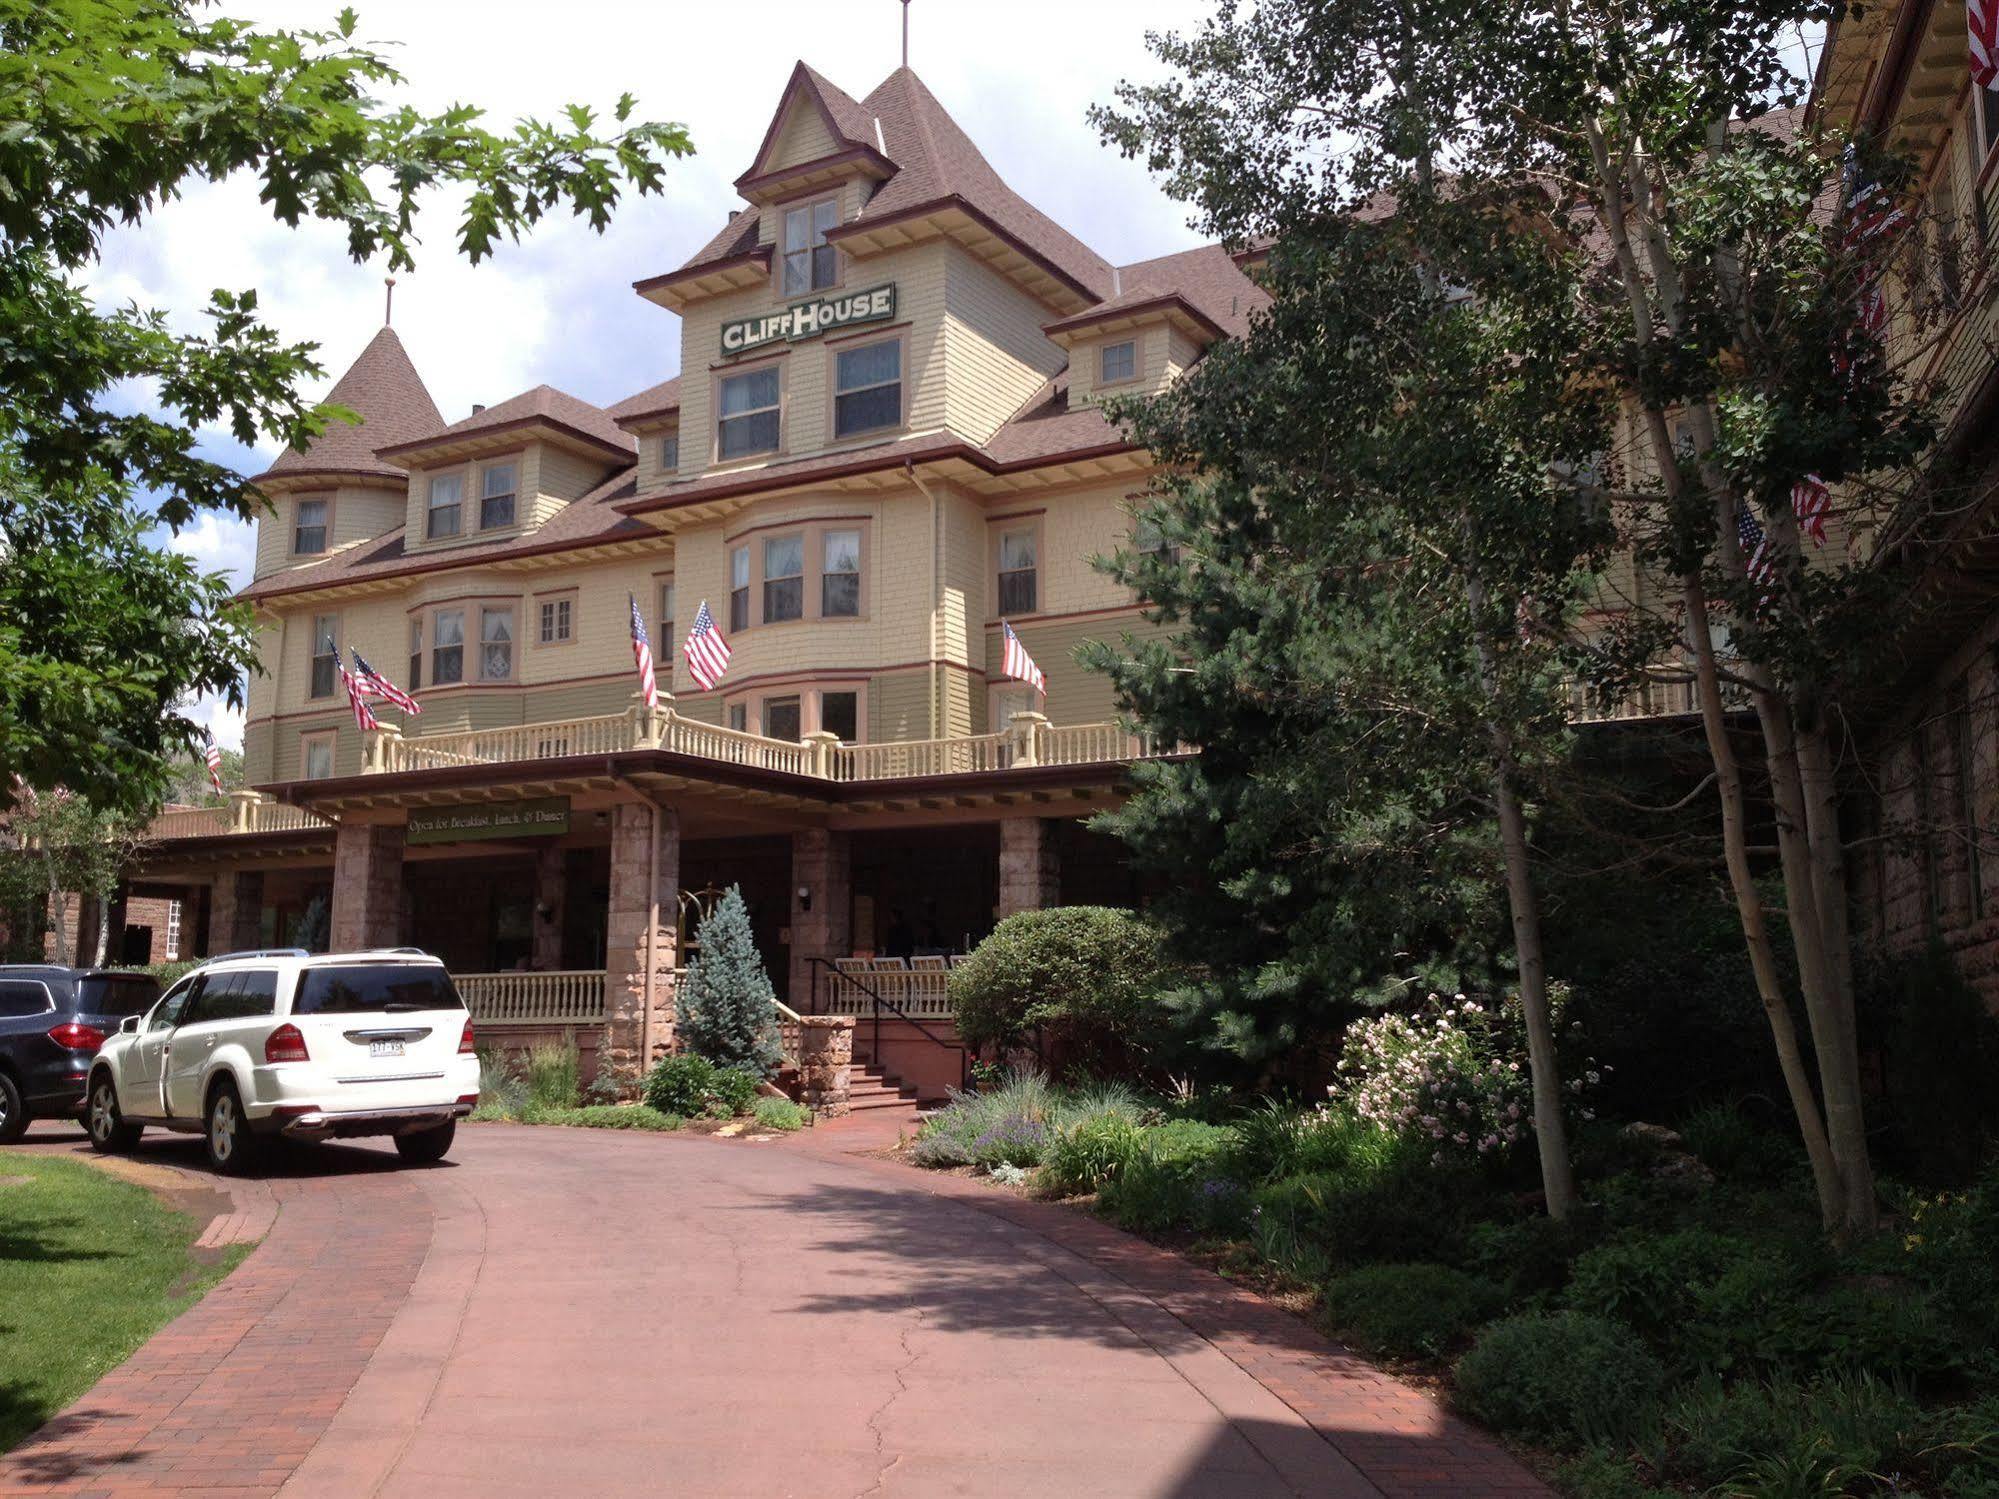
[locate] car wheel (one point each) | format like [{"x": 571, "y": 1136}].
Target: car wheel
[
  {"x": 232, "y": 1148},
  {"x": 13, "y": 1112},
  {"x": 426, "y": 1145},
  {"x": 109, "y": 1133}
]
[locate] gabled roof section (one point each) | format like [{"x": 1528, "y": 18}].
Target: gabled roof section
[
  {"x": 544, "y": 407},
  {"x": 849, "y": 124},
  {"x": 384, "y": 389},
  {"x": 1203, "y": 289},
  {"x": 662, "y": 399}
]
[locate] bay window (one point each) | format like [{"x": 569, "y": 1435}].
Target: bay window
[
  {"x": 416, "y": 653},
  {"x": 784, "y": 578},
  {"x": 447, "y": 647},
  {"x": 840, "y": 580},
  {"x": 739, "y": 589},
  {"x": 316, "y": 756},
  {"x": 840, "y": 714},
  {"x": 781, "y": 718},
  {"x": 496, "y": 644}
]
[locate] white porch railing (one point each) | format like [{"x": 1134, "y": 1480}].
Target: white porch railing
[
  {"x": 247, "y": 812},
  {"x": 921, "y": 995},
  {"x": 566, "y": 997},
  {"x": 921, "y": 757}
]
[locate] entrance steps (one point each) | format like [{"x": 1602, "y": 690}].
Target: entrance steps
[{"x": 868, "y": 1087}]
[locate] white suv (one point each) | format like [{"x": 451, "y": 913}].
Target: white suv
[{"x": 256, "y": 1044}]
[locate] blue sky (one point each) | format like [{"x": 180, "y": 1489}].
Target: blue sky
[{"x": 559, "y": 307}]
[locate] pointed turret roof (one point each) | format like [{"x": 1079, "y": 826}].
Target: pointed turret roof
[{"x": 384, "y": 389}]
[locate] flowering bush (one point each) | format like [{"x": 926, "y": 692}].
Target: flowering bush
[{"x": 1454, "y": 1072}]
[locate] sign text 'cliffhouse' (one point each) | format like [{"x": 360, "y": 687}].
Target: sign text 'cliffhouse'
[{"x": 808, "y": 319}]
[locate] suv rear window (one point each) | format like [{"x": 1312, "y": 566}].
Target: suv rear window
[
  {"x": 115, "y": 994},
  {"x": 374, "y": 987}
]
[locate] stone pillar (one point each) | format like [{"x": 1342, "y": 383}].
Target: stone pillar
[
  {"x": 825, "y": 1063},
  {"x": 549, "y": 887},
  {"x": 1030, "y": 869},
  {"x": 821, "y": 917},
  {"x": 367, "y": 886},
  {"x": 632, "y": 910},
  {"x": 235, "y": 913}
]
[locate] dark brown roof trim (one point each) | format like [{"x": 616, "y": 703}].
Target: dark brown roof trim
[
  {"x": 390, "y": 476},
  {"x": 519, "y": 423},
  {"x": 854, "y": 227},
  {"x": 1091, "y": 315},
  {"x": 761, "y": 255},
  {"x": 748, "y": 183},
  {"x": 632, "y": 418}
]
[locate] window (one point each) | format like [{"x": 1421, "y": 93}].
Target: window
[
  {"x": 234, "y": 996},
  {"x": 416, "y": 653},
  {"x": 867, "y": 388},
  {"x": 669, "y": 452},
  {"x": 749, "y": 414},
  {"x": 809, "y": 262},
  {"x": 739, "y": 717},
  {"x": 309, "y": 527},
  {"x": 173, "y": 929},
  {"x": 325, "y": 653},
  {"x": 1945, "y": 246},
  {"x": 18, "y": 997},
  {"x": 1988, "y": 119},
  {"x": 1146, "y": 540},
  {"x": 555, "y": 621},
  {"x": 739, "y": 589},
  {"x": 1118, "y": 362},
  {"x": 496, "y": 644},
  {"x": 781, "y": 719},
  {"x": 447, "y": 647},
  {"x": 447, "y": 499},
  {"x": 366, "y": 989},
  {"x": 1016, "y": 571},
  {"x": 666, "y": 619},
  {"x": 840, "y": 713},
  {"x": 784, "y": 578},
  {"x": 1974, "y": 158},
  {"x": 840, "y": 582},
  {"x": 496, "y": 497},
  {"x": 316, "y": 756},
  {"x": 119, "y": 994}
]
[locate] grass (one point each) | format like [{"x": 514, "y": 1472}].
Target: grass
[
  {"x": 90, "y": 1267},
  {"x": 605, "y": 1116}
]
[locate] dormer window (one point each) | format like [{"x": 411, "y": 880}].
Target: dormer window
[
  {"x": 496, "y": 496},
  {"x": 1118, "y": 363},
  {"x": 669, "y": 452},
  {"x": 809, "y": 262},
  {"x": 309, "y": 527},
  {"x": 444, "y": 514}
]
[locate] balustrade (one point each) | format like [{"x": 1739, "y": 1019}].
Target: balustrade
[{"x": 565, "y": 997}]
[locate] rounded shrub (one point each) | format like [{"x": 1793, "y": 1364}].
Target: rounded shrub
[
  {"x": 1644, "y": 1280},
  {"x": 680, "y": 1085},
  {"x": 731, "y": 1091},
  {"x": 1410, "y": 1310},
  {"x": 1564, "y": 1378},
  {"x": 1081, "y": 979}
]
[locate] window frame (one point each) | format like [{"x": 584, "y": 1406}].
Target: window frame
[
  {"x": 669, "y": 452},
  {"x": 811, "y": 532},
  {"x": 736, "y": 716},
  {"x": 855, "y": 345},
  {"x": 765, "y": 701},
  {"x": 809, "y": 205},
  {"x": 313, "y": 658},
  {"x": 767, "y": 581},
  {"x": 772, "y": 366},
  {"x": 416, "y": 673},
  {"x": 564, "y": 603},
  {"x": 512, "y": 494},
  {"x": 511, "y": 612},
  {"x": 747, "y": 705},
  {"x": 1104, "y": 351},
  {"x": 310, "y": 740},
  {"x": 325, "y": 526},
  {"x": 739, "y": 593},
  {"x": 437, "y": 678},
  {"x": 824, "y": 537},
  {"x": 1009, "y": 525},
  {"x": 666, "y": 648},
  {"x": 431, "y": 508}
]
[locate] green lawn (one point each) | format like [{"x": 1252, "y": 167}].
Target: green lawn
[{"x": 90, "y": 1267}]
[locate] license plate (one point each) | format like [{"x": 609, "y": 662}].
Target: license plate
[{"x": 385, "y": 1048}]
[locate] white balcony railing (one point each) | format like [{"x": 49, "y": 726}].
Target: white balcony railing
[
  {"x": 247, "y": 812},
  {"x": 569, "y": 997}
]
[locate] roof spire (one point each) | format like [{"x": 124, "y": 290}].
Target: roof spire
[
  {"x": 905, "y": 33},
  {"x": 389, "y": 300}
]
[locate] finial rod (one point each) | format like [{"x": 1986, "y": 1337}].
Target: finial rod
[
  {"x": 388, "y": 300},
  {"x": 905, "y": 33}
]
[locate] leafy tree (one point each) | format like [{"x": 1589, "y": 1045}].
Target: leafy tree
[
  {"x": 108, "y": 110},
  {"x": 1716, "y": 318},
  {"x": 727, "y": 1009},
  {"x": 55, "y": 843}
]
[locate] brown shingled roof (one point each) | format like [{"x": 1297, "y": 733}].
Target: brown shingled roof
[
  {"x": 542, "y": 405},
  {"x": 655, "y": 401},
  {"x": 384, "y": 389}
]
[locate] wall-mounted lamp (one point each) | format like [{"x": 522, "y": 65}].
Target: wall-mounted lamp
[{"x": 804, "y": 898}]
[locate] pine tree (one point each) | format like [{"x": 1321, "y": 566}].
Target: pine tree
[{"x": 727, "y": 1010}]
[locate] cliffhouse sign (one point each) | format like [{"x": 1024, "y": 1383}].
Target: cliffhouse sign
[{"x": 803, "y": 320}]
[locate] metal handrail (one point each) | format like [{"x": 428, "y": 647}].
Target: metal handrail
[{"x": 860, "y": 981}]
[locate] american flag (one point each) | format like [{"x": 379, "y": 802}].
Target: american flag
[
  {"x": 706, "y": 651},
  {"x": 364, "y": 716},
  {"x": 1756, "y": 552},
  {"x": 1982, "y": 17},
  {"x": 373, "y": 681},
  {"x": 1016, "y": 663},
  {"x": 1813, "y": 502},
  {"x": 213, "y": 757},
  {"x": 1870, "y": 215},
  {"x": 642, "y": 656}
]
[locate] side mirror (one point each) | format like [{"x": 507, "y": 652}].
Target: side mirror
[{"x": 129, "y": 1026}]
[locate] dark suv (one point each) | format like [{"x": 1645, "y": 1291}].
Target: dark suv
[{"x": 52, "y": 1020}]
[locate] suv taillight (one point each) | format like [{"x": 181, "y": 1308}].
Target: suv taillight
[
  {"x": 286, "y": 1044},
  {"x": 76, "y": 1036},
  {"x": 465, "y": 1046}
]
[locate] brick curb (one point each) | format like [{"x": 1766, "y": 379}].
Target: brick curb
[{"x": 1402, "y": 1441}]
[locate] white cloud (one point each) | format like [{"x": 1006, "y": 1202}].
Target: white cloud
[
  {"x": 219, "y": 544},
  {"x": 224, "y": 723}
]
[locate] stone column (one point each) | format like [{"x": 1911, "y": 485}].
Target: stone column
[
  {"x": 825, "y": 1062},
  {"x": 549, "y": 887},
  {"x": 235, "y": 913},
  {"x": 821, "y": 917},
  {"x": 367, "y": 886},
  {"x": 1030, "y": 868},
  {"x": 632, "y": 910}
]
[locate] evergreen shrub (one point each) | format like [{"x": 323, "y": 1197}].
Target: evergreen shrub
[
  {"x": 727, "y": 1009},
  {"x": 1410, "y": 1310},
  {"x": 1566, "y": 1379},
  {"x": 1084, "y": 979}
]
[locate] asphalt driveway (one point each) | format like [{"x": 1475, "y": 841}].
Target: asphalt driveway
[{"x": 558, "y": 1312}]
